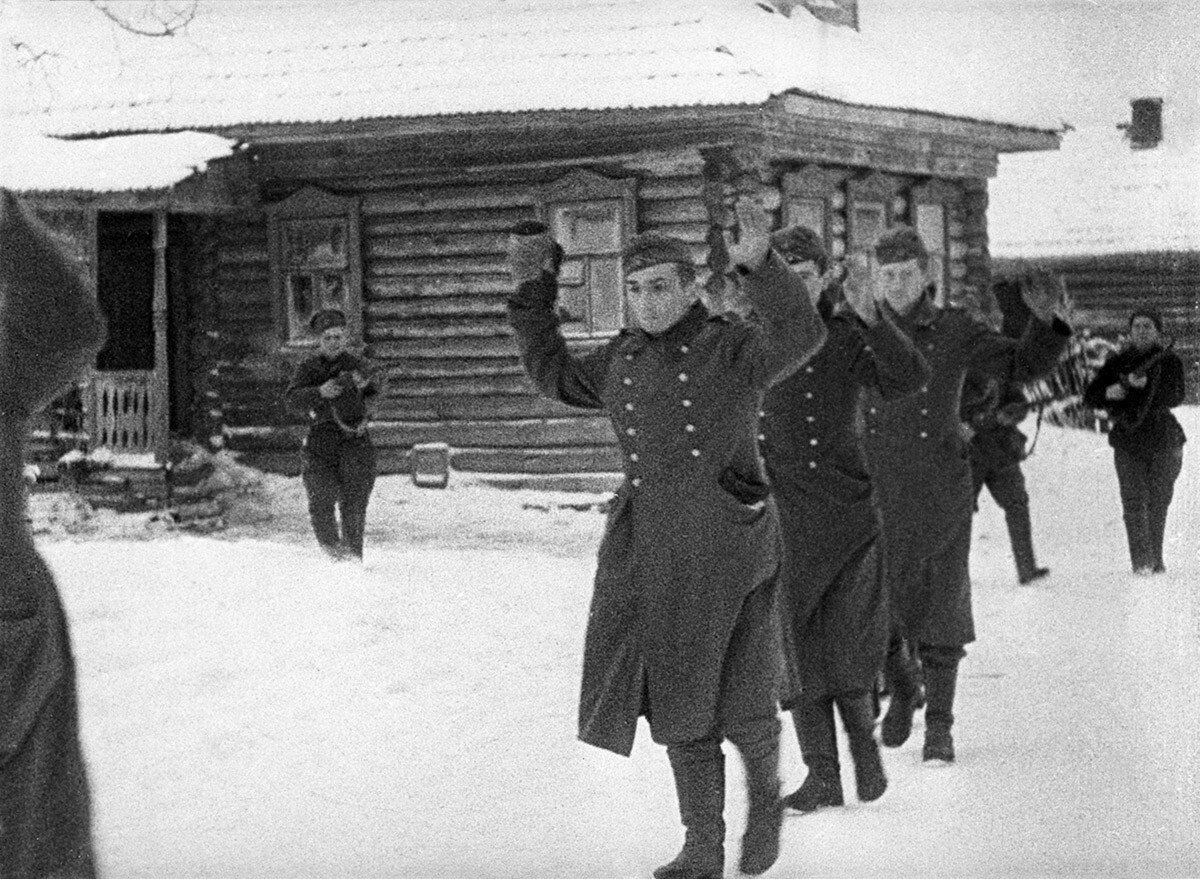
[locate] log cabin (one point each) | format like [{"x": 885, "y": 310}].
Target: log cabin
[{"x": 372, "y": 156}]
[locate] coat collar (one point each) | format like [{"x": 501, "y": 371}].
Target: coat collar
[
  {"x": 924, "y": 313},
  {"x": 680, "y": 333}
]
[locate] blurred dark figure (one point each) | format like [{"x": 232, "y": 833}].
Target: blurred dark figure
[
  {"x": 1139, "y": 385},
  {"x": 991, "y": 410},
  {"x": 50, "y": 328}
]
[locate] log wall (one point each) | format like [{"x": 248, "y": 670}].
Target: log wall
[{"x": 434, "y": 288}]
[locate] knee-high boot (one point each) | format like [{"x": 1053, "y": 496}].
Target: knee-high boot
[
  {"x": 818, "y": 746},
  {"x": 901, "y": 670},
  {"x": 699, "y": 770},
  {"x": 941, "y": 678},
  {"x": 858, "y": 717},
  {"x": 1020, "y": 535},
  {"x": 759, "y": 749}
]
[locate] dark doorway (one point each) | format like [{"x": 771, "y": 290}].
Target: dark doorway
[{"x": 125, "y": 287}]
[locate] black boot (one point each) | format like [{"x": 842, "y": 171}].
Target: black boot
[
  {"x": 859, "y": 720},
  {"x": 901, "y": 670},
  {"x": 1020, "y": 535},
  {"x": 764, "y": 819},
  {"x": 818, "y": 746},
  {"x": 941, "y": 676},
  {"x": 1141, "y": 549},
  {"x": 699, "y": 770}
]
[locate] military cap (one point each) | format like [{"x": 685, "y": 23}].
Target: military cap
[
  {"x": 654, "y": 248},
  {"x": 899, "y": 244},
  {"x": 800, "y": 244}
]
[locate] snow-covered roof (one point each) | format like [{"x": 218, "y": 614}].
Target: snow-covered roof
[
  {"x": 35, "y": 163},
  {"x": 241, "y": 62},
  {"x": 1096, "y": 196}
]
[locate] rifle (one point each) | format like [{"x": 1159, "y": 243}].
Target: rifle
[{"x": 1132, "y": 421}]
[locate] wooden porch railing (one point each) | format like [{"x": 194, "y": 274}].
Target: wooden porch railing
[{"x": 123, "y": 414}]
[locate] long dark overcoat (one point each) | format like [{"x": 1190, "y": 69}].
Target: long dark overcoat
[
  {"x": 50, "y": 327},
  {"x": 833, "y": 602},
  {"x": 692, "y": 530},
  {"x": 919, "y": 459}
]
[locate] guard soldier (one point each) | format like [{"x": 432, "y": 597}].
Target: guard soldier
[
  {"x": 336, "y": 389},
  {"x": 50, "y": 329}
]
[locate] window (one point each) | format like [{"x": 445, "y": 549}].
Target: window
[
  {"x": 931, "y": 226},
  {"x": 807, "y": 212},
  {"x": 868, "y": 220},
  {"x": 315, "y": 262},
  {"x": 592, "y": 218}
]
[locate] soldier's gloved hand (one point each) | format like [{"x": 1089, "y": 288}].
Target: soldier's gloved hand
[
  {"x": 860, "y": 288},
  {"x": 1046, "y": 295},
  {"x": 330, "y": 389},
  {"x": 754, "y": 234},
  {"x": 531, "y": 251}
]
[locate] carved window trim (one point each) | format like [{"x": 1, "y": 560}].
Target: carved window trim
[
  {"x": 324, "y": 218},
  {"x": 823, "y": 188},
  {"x": 946, "y": 197},
  {"x": 582, "y": 193},
  {"x": 878, "y": 193}
]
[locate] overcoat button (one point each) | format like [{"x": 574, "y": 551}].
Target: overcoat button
[
  {"x": 808, "y": 369},
  {"x": 631, "y": 431},
  {"x": 808, "y": 395},
  {"x": 762, "y": 437},
  {"x": 636, "y": 481},
  {"x": 683, "y": 376},
  {"x": 683, "y": 349},
  {"x": 812, "y": 442},
  {"x": 627, "y": 380},
  {"x": 687, "y": 402},
  {"x": 628, "y": 407},
  {"x": 812, "y": 465},
  {"x": 924, "y": 411},
  {"x": 810, "y": 419},
  {"x": 695, "y": 453},
  {"x": 690, "y": 428},
  {"x": 924, "y": 435},
  {"x": 633, "y": 456}
]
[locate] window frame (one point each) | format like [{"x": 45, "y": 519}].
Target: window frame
[
  {"x": 313, "y": 205},
  {"x": 584, "y": 187}
]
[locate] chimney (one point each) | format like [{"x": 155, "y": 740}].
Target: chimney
[
  {"x": 843, "y": 12},
  {"x": 1145, "y": 130}
]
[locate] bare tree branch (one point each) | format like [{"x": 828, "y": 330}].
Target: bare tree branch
[{"x": 158, "y": 18}]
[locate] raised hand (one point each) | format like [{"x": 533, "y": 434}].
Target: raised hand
[
  {"x": 859, "y": 287},
  {"x": 1045, "y": 294},
  {"x": 754, "y": 234},
  {"x": 531, "y": 251}
]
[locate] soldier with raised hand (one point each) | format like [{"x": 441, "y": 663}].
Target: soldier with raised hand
[
  {"x": 833, "y": 601},
  {"x": 50, "y": 329},
  {"x": 682, "y": 627},
  {"x": 919, "y": 460}
]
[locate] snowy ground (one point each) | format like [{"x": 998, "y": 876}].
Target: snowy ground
[{"x": 252, "y": 710}]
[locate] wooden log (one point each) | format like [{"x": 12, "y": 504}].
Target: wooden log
[
  {"x": 599, "y": 459},
  {"x": 382, "y": 287},
  {"x": 444, "y": 332},
  {"x": 442, "y": 308},
  {"x": 498, "y": 348},
  {"x": 475, "y": 408},
  {"x": 436, "y": 246},
  {"x": 522, "y": 433}
]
